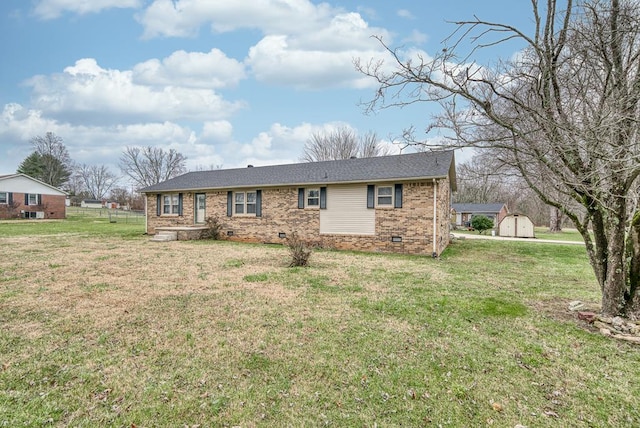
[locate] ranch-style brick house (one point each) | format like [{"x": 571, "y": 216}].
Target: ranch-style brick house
[
  {"x": 22, "y": 196},
  {"x": 397, "y": 204}
]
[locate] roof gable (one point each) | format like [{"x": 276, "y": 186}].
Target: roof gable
[
  {"x": 23, "y": 183},
  {"x": 397, "y": 167}
]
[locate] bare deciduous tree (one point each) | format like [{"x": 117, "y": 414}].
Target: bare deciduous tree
[
  {"x": 479, "y": 181},
  {"x": 566, "y": 110},
  {"x": 97, "y": 180},
  {"x": 126, "y": 198},
  {"x": 485, "y": 179},
  {"x": 151, "y": 165},
  {"x": 342, "y": 143}
]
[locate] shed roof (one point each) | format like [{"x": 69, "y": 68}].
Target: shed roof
[
  {"x": 478, "y": 208},
  {"x": 397, "y": 167}
]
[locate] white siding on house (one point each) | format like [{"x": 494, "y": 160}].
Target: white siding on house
[
  {"x": 22, "y": 184},
  {"x": 347, "y": 212}
]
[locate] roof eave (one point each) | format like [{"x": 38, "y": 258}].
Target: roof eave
[{"x": 311, "y": 183}]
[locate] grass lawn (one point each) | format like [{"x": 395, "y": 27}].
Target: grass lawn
[
  {"x": 564, "y": 235},
  {"x": 101, "y": 327}
]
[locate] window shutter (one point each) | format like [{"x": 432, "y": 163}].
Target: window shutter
[
  {"x": 179, "y": 203},
  {"x": 371, "y": 196},
  {"x": 323, "y": 198},
  {"x": 300, "y": 197},
  {"x": 26, "y": 199},
  {"x": 158, "y": 204},
  {"x": 10, "y": 198},
  {"x": 229, "y": 203},
  {"x": 258, "y": 203},
  {"x": 398, "y": 199},
  {"x": 39, "y": 199}
]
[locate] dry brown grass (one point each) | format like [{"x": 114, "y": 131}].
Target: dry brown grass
[
  {"x": 108, "y": 282},
  {"x": 103, "y": 331}
]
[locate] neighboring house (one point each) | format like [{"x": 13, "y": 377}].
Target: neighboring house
[
  {"x": 395, "y": 203},
  {"x": 463, "y": 213},
  {"x": 91, "y": 203},
  {"x": 25, "y": 197},
  {"x": 98, "y": 203},
  {"x": 516, "y": 225}
]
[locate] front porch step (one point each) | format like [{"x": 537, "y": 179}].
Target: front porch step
[{"x": 165, "y": 236}]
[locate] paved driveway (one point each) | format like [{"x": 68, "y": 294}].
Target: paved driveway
[{"x": 505, "y": 238}]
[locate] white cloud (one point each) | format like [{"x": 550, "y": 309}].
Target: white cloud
[
  {"x": 416, "y": 37},
  {"x": 173, "y": 102},
  {"x": 274, "y": 61},
  {"x": 183, "y": 18},
  {"x": 343, "y": 32},
  {"x": 191, "y": 69},
  {"x": 277, "y": 145},
  {"x": 98, "y": 145},
  {"x": 404, "y": 13},
  {"x": 51, "y": 9},
  {"x": 217, "y": 131},
  {"x": 87, "y": 92},
  {"x": 303, "y": 45}
]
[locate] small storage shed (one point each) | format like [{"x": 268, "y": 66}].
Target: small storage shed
[
  {"x": 516, "y": 225},
  {"x": 91, "y": 203}
]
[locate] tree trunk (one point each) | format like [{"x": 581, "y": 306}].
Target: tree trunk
[
  {"x": 555, "y": 220},
  {"x": 632, "y": 309},
  {"x": 614, "y": 287},
  {"x": 619, "y": 253}
]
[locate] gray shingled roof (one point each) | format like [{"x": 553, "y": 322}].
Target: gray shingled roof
[
  {"x": 478, "y": 208},
  {"x": 397, "y": 167}
]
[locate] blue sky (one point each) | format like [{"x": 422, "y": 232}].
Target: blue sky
[{"x": 225, "y": 83}]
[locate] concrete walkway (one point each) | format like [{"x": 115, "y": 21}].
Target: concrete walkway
[{"x": 505, "y": 238}]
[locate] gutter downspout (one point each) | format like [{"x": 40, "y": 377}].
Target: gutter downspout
[
  {"x": 435, "y": 217},
  {"x": 146, "y": 215}
]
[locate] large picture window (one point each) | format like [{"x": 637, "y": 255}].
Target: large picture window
[{"x": 4, "y": 199}]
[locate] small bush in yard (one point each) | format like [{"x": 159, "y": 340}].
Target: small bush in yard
[
  {"x": 481, "y": 223},
  {"x": 214, "y": 228},
  {"x": 299, "y": 249}
]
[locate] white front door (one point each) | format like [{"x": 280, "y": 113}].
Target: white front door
[{"x": 201, "y": 207}]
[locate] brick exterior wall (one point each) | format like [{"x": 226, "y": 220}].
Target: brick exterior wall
[
  {"x": 280, "y": 214},
  {"x": 53, "y": 206}
]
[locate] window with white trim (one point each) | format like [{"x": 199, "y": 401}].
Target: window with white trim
[
  {"x": 245, "y": 202},
  {"x": 32, "y": 198},
  {"x": 313, "y": 198},
  {"x": 384, "y": 196},
  {"x": 4, "y": 198},
  {"x": 171, "y": 204}
]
